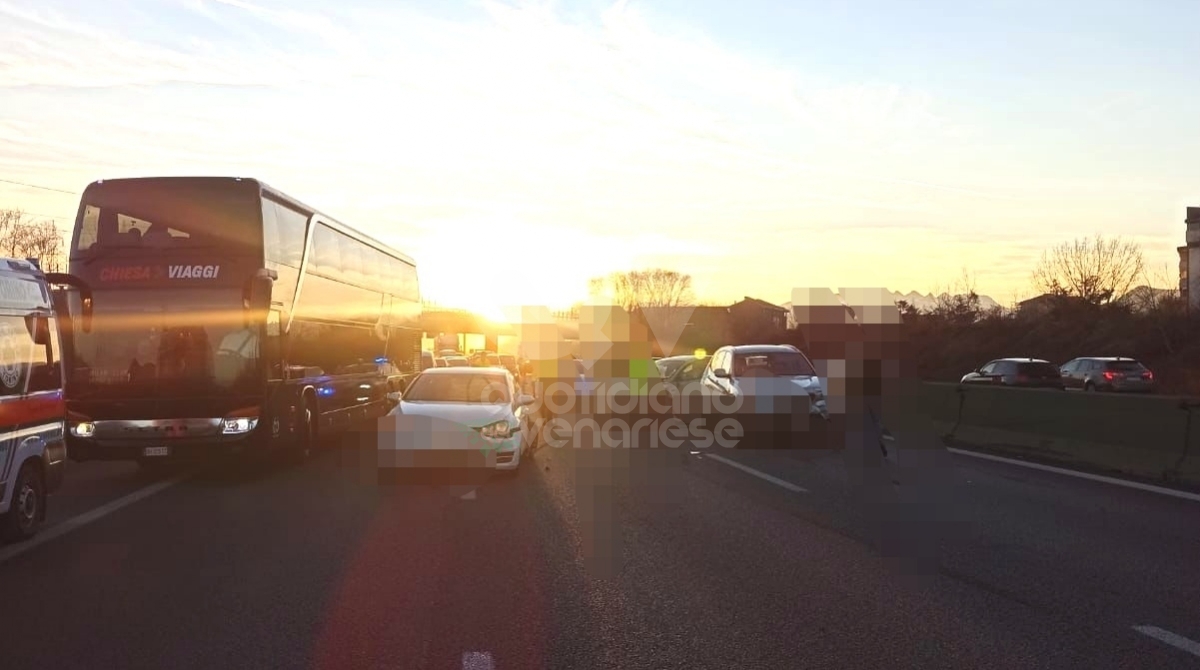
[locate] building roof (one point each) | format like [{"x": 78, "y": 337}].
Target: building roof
[{"x": 760, "y": 303}]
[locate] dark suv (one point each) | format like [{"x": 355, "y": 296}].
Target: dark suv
[
  {"x": 1022, "y": 372},
  {"x": 1105, "y": 373}
]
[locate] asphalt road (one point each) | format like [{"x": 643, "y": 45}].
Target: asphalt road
[{"x": 608, "y": 559}]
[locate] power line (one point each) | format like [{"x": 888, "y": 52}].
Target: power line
[
  {"x": 52, "y": 217},
  {"x": 44, "y": 188}
]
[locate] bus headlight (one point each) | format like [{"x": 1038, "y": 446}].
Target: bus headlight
[
  {"x": 238, "y": 425},
  {"x": 83, "y": 429}
]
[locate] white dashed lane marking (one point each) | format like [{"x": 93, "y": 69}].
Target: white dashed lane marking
[
  {"x": 84, "y": 519},
  {"x": 1177, "y": 641},
  {"x": 757, "y": 473}
]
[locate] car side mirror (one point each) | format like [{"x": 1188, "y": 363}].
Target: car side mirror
[
  {"x": 394, "y": 397},
  {"x": 721, "y": 373},
  {"x": 524, "y": 400},
  {"x": 85, "y": 295},
  {"x": 39, "y": 329}
]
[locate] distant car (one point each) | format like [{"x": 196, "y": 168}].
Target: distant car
[
  {"x": 1016, "y": 372},
  {"x": 457, "y": 362},
  {"x": 689, "y": 370},
  {"x": 485, "y": 359},
  {"x": 440, "y": 363},
  {"x": 1106, "y": 373},
  {"x": 448, "y": 417},
  {"x": 764, "y": 370},
  {"x": 667, "y": 366}
]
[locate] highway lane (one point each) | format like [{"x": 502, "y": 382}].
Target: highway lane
[
  {"x": 87, "y": 486},
  {"x": 612, "y": 558},
  {"x": 1075, "y": 549}
]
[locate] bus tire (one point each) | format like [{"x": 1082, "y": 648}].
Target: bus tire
[
  {"x": 306, "y": 441},
  {"x": 27, "y": 510}
]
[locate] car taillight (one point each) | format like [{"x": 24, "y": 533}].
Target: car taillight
[
  {"x": 1108, "y": 376},
  {"x": 1148, "y": 375}
]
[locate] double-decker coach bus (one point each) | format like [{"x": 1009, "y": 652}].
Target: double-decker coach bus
[{"x": 216, "y": 315}]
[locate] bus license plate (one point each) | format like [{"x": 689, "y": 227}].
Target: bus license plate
[{"x": 156, "y": 451}]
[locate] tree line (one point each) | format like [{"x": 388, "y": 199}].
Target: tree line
[{"x": 1098, "y": 298}]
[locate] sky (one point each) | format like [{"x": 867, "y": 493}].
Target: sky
[{"x": 516, "y": 149}]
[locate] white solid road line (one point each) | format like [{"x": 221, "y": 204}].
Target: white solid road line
[
  {"x": 477, "y": 660},
  {"x": 1178, "y": 641},
  {"x": 751, "y": 471},
  {"x": 1082, "y": 475},
  {"x": 60, "y": 529}
]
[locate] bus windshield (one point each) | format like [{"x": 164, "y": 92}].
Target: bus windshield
[{"x": 164, "y": 344}]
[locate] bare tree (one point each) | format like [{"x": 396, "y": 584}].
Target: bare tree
[
  {"x": 662, "y": 298},
  {"x": 43, "y": 241},
  {"x": 23, "y": 238},
  {"x": 959, "y": 303},
  {"x": 10, "y": 220},
  {"x": 1147, "y": 296},
  {"x": 645, "y": 288},
  {"x": 1095, "y": 270}
]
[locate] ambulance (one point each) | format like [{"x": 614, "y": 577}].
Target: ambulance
[{"x": 33, "y": 412}]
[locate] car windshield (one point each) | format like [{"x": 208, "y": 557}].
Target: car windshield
[
  {"x": 459, "y": 388},
  {"x": 692, "y": 369},
  {"x": 773, "y": 364},
  {"x": 668, "y": 366},
  {"x": 1125, "y": 366}
]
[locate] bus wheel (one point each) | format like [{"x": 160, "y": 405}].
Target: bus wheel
[{"x": 28, "y": 506}]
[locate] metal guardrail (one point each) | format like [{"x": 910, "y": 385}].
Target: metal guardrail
[{"x": 1145, "y": 425}]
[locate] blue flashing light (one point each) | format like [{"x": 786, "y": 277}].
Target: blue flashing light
[
  {"x": 381, "y": 360},
  {"x": 325, "y": 391}
]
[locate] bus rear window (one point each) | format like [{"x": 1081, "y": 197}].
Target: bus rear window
[
  {"x": 120, "y": 230},
  {"x": 167, "y": 214}
]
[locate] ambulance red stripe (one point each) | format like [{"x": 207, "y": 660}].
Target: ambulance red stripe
[{"x": 41, "y": 408}]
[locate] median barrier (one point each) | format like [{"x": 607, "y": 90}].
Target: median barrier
[{"x": 1140, "y": 435}]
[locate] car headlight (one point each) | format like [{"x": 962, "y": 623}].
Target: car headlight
[
  {"x": 499, "y": 430},
  {"x": 238, "y": 425}
]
